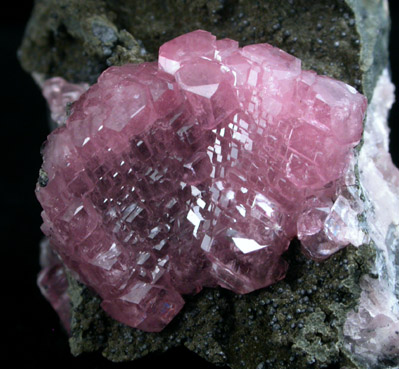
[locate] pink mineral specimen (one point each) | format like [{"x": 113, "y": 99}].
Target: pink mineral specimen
[
  {"x": 371, "y": 329},
  {"x": 59, "y": 93},
  {"x": 194, "y": 171},
  {"x": 53, "y": 283}
]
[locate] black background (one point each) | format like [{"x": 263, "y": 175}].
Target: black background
[{"x": 30, "y": 330}]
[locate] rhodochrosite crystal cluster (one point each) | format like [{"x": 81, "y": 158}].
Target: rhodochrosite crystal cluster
[{"x": 197, "y": 171}]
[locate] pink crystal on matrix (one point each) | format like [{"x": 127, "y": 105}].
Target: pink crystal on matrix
[
  {"x": 194, "y": 171},
  {"x": 53, "y": 283},
  {"x": 59, "y": 93}
]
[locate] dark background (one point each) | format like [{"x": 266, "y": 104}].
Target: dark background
[{"x": 32, "y": 334}]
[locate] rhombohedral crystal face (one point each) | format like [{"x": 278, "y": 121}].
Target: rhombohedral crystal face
[{"x": 197, "y": 171}]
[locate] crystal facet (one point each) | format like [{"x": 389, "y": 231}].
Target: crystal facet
[
  {"x": 197, "y": 171},
  {"x": 53, "y": 283},
  {"x": 59, "y": 94}
]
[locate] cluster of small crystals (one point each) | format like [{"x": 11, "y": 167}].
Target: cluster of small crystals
[
  {"x": 195, "y": 171},
  {"x": 59, "y": 94},
  {"x": 371, "y": 331}
]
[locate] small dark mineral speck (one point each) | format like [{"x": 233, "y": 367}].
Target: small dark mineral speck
[{"x": 43, "y": 178}]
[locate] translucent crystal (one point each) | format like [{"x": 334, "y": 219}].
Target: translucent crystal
[
  {"x": 196, "y": 171},
  {"x": 59, "y": 94},
  {"x": 372, "y": 330}
]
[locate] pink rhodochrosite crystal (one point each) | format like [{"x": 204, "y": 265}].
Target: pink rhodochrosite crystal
[
  {"x": 59, "y": 93},
  {"x": 53, "y": 283},
  {"x": 195, "y": 171}
]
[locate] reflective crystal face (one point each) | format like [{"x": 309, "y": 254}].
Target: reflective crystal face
[{"x": 195, "y": 171}]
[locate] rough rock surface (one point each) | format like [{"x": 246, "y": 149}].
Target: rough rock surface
[
  {"x": 337, "y": 38},
  {"x": 77, "y": 41}
]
